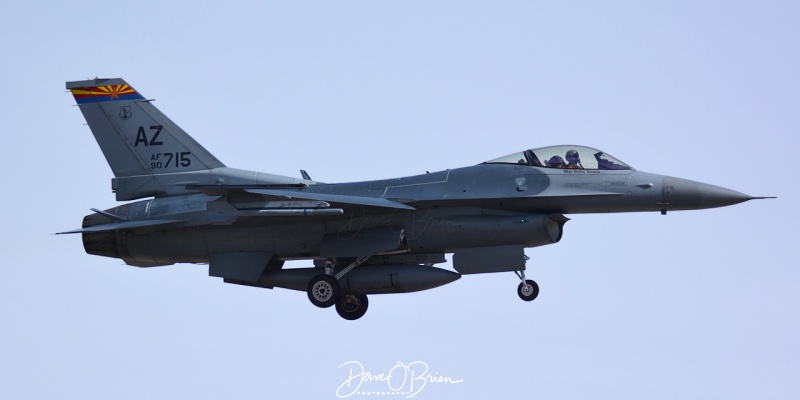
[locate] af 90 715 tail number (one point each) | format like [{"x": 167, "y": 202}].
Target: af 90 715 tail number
[{"x": 166, "y": 160}]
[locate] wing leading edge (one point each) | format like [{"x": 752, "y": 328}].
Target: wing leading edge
[{"x": 333, "y": 198}]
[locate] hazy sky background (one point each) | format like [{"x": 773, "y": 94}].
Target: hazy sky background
[{"x": 699, "y": 304}]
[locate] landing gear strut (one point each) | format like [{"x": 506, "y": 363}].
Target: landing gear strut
[{"x": 527, "y": 289}]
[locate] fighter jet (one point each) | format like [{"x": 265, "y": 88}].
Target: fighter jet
[{"x": 363, "y": 238}]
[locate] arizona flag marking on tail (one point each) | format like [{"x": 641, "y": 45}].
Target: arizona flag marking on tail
[{"x": 105, "y": 93}]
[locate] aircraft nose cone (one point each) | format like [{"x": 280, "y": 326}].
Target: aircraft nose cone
[{"x": 683, "y": 194}]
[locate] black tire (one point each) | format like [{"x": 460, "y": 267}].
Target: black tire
[
  {"x": 531, "y": 293},
  {"x": 323, "y": 291},
  {"x": 352, "y": 306}
]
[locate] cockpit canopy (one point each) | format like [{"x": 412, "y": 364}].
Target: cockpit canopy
[{"x": 565, "y": 157}]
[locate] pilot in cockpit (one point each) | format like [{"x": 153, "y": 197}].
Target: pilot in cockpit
[
  {"x": 556, "y": 162},
  {"x": 573, "y": 160}
]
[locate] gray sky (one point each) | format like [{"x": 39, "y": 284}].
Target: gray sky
[{"x": 696, "y": 304}]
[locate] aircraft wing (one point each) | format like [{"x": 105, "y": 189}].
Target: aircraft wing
[
  {"x": 123, "y": 225},
  {"x": 283, "y": 192},
  {"x": 332, "y": 198}
]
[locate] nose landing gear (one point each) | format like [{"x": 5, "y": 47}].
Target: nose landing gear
[{"x": 527, "y": 289}]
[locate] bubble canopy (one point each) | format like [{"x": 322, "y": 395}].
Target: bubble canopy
[{"x": 564, "y": 157}]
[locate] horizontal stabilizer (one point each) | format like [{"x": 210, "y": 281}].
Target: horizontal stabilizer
[
  {"x": 333, "y": 198},
  {"x": 109, "y": 215},
  {"x": 123, "y": 225}
]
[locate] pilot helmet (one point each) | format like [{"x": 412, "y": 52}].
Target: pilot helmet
[
  {"x": 572, "y": 157},
  {"x": 556, "y": 162}
]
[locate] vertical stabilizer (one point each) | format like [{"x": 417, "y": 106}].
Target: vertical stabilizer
[{"x": 135, "y": 137}]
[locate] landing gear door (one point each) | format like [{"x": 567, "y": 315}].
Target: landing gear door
[{"x": 480, "y": 260}]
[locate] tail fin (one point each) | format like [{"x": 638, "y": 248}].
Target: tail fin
[{"x": 135, "y": 137}]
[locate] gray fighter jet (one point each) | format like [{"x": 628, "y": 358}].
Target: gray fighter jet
[{"x": 364, "y": 238}]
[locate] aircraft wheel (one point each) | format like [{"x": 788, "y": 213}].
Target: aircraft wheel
[
  {"x": 528, "y": 293},
  {"x": 323, "y": 290},
  {"x": 352, "y": 306}
]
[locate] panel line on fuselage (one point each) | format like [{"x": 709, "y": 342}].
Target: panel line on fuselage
[{"x": 386, "y": 191}]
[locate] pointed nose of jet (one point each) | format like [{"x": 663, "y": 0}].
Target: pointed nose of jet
[{"x": 683, "y": 194}]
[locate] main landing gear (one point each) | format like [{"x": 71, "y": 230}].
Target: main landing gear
[
  {"x": 352, "y": 306},
  {"x": 323, "y": 291},
  {"x": 527, "y": 289}
]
